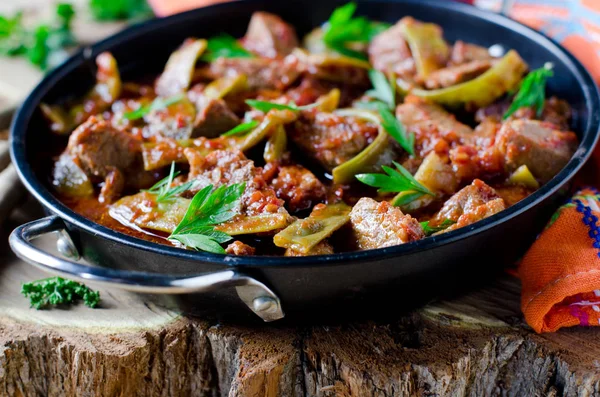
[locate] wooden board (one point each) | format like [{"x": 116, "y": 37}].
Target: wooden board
[{"x": 475, "y": 345}]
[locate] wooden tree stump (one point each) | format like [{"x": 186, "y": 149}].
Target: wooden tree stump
[{"x": 475, "y": 345}]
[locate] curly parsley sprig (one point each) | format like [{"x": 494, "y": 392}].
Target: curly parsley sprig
[
  {"x": 58, "y": 291},
  {"x": 43, "y": 45}
]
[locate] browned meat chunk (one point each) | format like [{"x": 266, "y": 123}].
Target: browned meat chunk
[
  {"x": 556, "y": 111},
  {"x": 112, "y": 187},
  {"x": 332, "y": 139},
  {"x": 299, "y": 187},
  {"x": 269, "y": 36},
  {"x": 452, "y": 75},
  {"x": 378, "y": 225},
  {"x": 471, "y": 204},
  {"x": 434, "y": 128},
  {"x": 226, "y": 167},
  {"x": 261, "y": 72},
  {"x": 323, "y": 248},
  {"x": 471, "y": 161},
  {"x": 540, "y": 146},
  {"x": 213, "y": 119},
  {"x": 175, "y": 121},
  {"x": 389, "y": 52},
  {"x": 239, "y": 248},
  {"x": 105, "y": 153},
  {"x": 464, "y": 52},
  {"x": 99, "y": 148}
]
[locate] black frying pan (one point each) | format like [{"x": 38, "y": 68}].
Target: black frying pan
[{"x": 348, "y": 283}]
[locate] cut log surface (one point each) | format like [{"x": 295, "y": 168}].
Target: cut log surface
[{"x": 475, "y": 345}]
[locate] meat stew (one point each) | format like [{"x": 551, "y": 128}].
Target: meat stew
[{"x": 347, "y": 140}]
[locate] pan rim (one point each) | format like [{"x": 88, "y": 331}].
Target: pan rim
[{"x": 39, "y": 190}]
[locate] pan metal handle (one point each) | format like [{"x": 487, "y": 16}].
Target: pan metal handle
[{"x": 256, "y": 295}]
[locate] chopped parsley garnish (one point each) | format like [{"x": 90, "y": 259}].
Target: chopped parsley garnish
[
  {"x": 532, "y": 91},
  {"x": 208, "y": 208},
  {"x": 163, "y": 189},
  {"x": 58, "y": 291},
  {"x": 224, "y": 46},
  {"x": 113, "y": 10},
  {"x": 157, "y": 104},
  {"x": 394, "y": 181},
  {"x": 429, "y": 230},
  {"x": 265, "y": 106},
  {"x": 43, "y": 45},
  {"x": 242, "y": 128},
  {"x": 343, "y": 28}
]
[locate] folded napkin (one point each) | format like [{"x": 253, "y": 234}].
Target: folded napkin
[{"x": 561, "y": 271}]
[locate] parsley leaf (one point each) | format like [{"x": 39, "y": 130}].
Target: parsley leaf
[
  {"x": 208, "y": 208},
  {"x": 342, "y": 29},
  {"x": 396, "y": 129},
  {"x": 242, "y": 128},
  {"x": 224, "y": 46},
  {"x": 394, "y": 181},
  {"x": 43, "y": 45},
  {"x": 163, "y": 190},
  {"x": 112, "y": 10},
  {"x": 157, "y": 104},
  {"x": 429, "y": 230},
  {"x": 56, "y": 291},
  {"x": 265, "y": 106},
  {"x": 382, "y": 89},
  {"x": 532, "y": 91}
]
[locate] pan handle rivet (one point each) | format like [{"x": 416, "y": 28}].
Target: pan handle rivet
[{"x": 263, "y": 303}]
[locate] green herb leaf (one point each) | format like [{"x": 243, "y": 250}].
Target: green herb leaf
[
  {"x": 38, "y": 53},
  {"x": 45, "y": 44},
  {"x": 406, "y": 198},
  {"x": 265, "y": 106},
  {"x": 163, "y": 190},
  {"x": 242, "y": 128},
  {"x": 394, "y": 181},
  {"x": 382, "y": 89},
  {"x": 396, "y": 129},
  {"x": 56, "y": 291},
  {"x": 208, "y": 208},
  {"x": 157, "y": 104},
  {"x": 113, "y": 10},
  {"x": 199, "y": 242},
  {"x": 532, "y": 91},
  {"x": 429, "y": 230},
  {"x": 343, "y": 29},
  {"x": 224, "y": 46}
]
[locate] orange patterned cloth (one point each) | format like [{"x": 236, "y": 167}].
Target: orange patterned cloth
[{"x": 561, "y": 271}]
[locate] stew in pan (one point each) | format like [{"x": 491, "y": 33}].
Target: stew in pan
[{"x": 362, "y": 135}]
